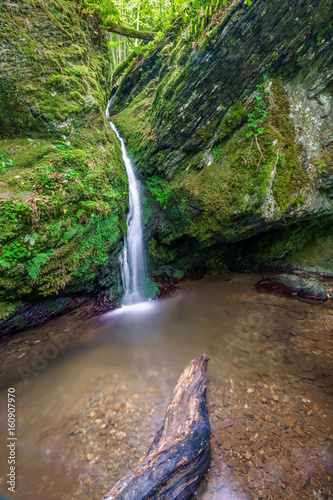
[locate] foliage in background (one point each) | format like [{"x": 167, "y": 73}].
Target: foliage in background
[{"x": 151, "y": 15}]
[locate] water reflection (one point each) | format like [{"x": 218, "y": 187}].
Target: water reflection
[{"x": 86, "y": 419}]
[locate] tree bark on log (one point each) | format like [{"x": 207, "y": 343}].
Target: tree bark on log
[
  {"x": 179, "y": 456},
  {"x": 129, "y": 32}
]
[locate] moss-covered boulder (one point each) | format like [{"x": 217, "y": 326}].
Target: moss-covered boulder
[
  {"x": 230, "y": 126},
  {"x": 63, "y": 185}
]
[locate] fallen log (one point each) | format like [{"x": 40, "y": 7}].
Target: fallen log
[
  {"x": 129, "y": 32},
  {"x": 178, "y": 458}
]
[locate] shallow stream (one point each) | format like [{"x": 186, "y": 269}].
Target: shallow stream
[{"x": 87, "y": 416}]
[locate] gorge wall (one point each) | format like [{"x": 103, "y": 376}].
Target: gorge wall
[
  {"x": 63, "y": 185},
  {"x": 214, "y": 196}
]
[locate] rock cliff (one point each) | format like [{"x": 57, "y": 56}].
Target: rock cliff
[
  {"x": 228, "y": 120},
  {"x": 63, "y": 185},
  {"x": 217, "y": 194}
]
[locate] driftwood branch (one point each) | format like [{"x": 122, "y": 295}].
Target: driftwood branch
[
  {"x": 129, "y": 32},
  {"x": 179, "y": 456}
]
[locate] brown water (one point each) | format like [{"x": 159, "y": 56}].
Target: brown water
[{"x": 85, "y": 419}]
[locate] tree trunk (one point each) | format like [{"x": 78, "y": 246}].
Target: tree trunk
[
  {"x": 125, "y": 49},
  {"x": 179, "y": 457},
  {"x": 137, "y": 24},
  {"x": 114, "y": 61},
  {"x": 129, "y": 32}
]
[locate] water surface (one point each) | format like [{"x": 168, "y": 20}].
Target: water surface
[{"x": 85, "y": 419}]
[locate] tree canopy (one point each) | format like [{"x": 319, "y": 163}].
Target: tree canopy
[{"x": 144, "y": 20}]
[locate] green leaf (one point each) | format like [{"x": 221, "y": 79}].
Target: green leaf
[{"x": 4, "y": 263}]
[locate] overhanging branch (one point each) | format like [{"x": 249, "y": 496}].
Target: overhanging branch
[{"x": 129, "y": 32}]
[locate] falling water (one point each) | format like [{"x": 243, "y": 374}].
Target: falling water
[{"x": 132, "y": 257}]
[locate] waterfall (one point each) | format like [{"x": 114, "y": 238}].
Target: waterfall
[{"x": 132, "y": 258}]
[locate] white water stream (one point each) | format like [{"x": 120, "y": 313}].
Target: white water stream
[{"x": 132, "y": 258}]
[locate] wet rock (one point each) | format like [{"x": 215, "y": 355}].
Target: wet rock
[
  {"x": 120, "y": 435},
  {"x": 306, "y": 366},
  {"x": 323, "y": 344},
  {"x": 312, "y": 420},
  {"x": 328, "y": 458},
  {"x": 261, "y": 372},
  {"x": 232, "y": 462},
  {"x": 290, "y": 421},
  {"x": 296, "y": 370},
  {"x": 272, "y": 467},
  {"x": 293, "y": 286},
  {"x": 300, "y": 432},
  {"x": 257, "y": 461},
  {"x": 227, "y": 423}
]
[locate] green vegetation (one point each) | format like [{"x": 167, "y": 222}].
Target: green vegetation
[
  {"x": 217, "y": 155},
  {"x": 255, "y": 119},
  {"x": 72, "y": 219},
  {"x": 321, "y": 168},
  {"x": 63, "y": 184},
  {"x": 5, "y": 162},
  {"x": 208, "y": 195},
  {"x": 217, "y": 151}
]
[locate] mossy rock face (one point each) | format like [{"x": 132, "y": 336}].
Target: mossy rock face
[
  {"x": 209, "y": 186},
  {"x": 63, "y": 184},
  {"x": 306, "y": 245},
  {"x": 54, "y": 64}
]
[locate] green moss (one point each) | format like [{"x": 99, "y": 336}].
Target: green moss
[
  {"x": 231, "y": 121},
  {"x": 57, "y": 57},
  {"x": 290, "y": 176},
  {"x": 133, "y": 124},
  {"x": 235, "y": 185},
  {"x": 206, "y": 132},
  {"x": 63, "y": 208},
  {"x": 75, "y": 215},
  {"x": 8, "y": 308},
  {"x": 306, "y": 245},
  {"x": 315, "y": 255}
]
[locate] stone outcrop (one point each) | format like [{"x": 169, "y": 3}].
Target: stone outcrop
[
  {"x": 214, "y": 193},
  {"x": 63, "y": 185}
]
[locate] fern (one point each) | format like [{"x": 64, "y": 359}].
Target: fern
[
  {"x": 36, "y": 262},
  {"x": 4, "y": 263}
]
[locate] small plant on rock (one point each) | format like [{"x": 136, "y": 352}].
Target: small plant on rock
[
  {"x": 321, "y": 169},
  {"x": 5, "y": 162},
  {"x": 255, "y": 119},
  {"x": 217, "y": 151}
]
